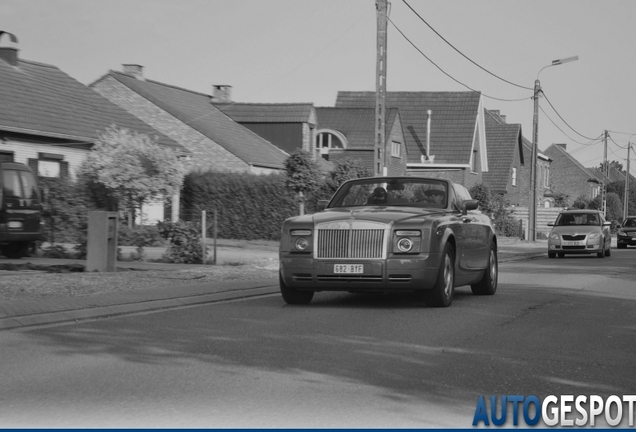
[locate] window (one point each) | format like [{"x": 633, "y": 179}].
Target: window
[
  {"x": 395, "y": 149},
  {"x": 49, "y": 165},
  {"x": 514, "y": 177},
  {"x": 327, "y": 141},
  {"x": 473, "y": 162},
  {"x": 546, "y": 176}
]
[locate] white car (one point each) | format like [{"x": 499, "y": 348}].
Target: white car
[{"x": 580, "y": 232}]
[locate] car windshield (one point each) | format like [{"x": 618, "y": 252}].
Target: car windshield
[
  {"x": 630, "y": 223},
  {"x": 392, "y": 192},
  {"x": 567, "y": 219}
]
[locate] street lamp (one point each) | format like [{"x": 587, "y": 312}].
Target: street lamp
[{"x": 532, "y": 215}]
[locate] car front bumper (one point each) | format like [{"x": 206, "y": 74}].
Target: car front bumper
[
  {"x": 403, "y": 273},
  {"x": 626, "y": 240},
  {"x": 583, "y": 247}
]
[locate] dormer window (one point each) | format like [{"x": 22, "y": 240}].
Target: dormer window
[{"x": 327, "y": 141}]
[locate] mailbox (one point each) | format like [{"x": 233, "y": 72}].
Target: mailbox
[{"x": 101, "y": 250}]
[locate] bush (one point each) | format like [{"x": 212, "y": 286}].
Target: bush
[
  {"x": 185, "y": 242},
  {"x": 497, "y": 209}
]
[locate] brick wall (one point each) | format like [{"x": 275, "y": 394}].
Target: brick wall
[{"x": 206, "y": 154}]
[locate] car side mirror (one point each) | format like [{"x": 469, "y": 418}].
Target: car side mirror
[
  {"x": 322, "y": 204},
  {"x": 550, "y": 223},
  {"x": 469, "y": 205}
]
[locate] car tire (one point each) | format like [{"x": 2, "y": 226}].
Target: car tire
[
  {"x": 442, "y": 293},
  {"x": 15, "y": 250},
  {"x": 551, "y": 255},
  {"x": 293, "y": 296},
  {"x": 620, "y": 246},
  {"x": 488, "y": 284}
]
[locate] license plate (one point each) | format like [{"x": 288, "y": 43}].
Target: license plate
[
  {"x": 14, "y": 224},
  {"x": 348, "y": 268},
  {"x": 573, "y": 243}
]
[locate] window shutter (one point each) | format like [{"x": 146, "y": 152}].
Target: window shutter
[
  {"x": 33, "y": 164},
  {"x": 63, "y": 169}
]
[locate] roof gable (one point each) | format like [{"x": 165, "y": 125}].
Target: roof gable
[
  {"x": 197, "y": 111},
  {"x": 40, "y": 99},
  {"x": 454, "y": 121},
  {"x": 504, "y": 141},
  {"x": 269, "y": 112},
  {"x": 356, "y": 124}
]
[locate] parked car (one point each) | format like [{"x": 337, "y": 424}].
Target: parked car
[
  {"x": 626, "y": 233},
  {"x": 20, "y": 210},
  {"x": 580, "y": 232},
  {"x": 390, "y": 234}
]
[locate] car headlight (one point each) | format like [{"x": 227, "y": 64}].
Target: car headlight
[
  {"x": 407, "y": 241},
  {"x": 621, "y": 232},
  {"x": 301, "y": 244},
  {"x": 594, "y": 235},
  {"x": 554, "y": 236},
  {"x": 301, "y": 240},
  {"x": 404, "y": 244}
]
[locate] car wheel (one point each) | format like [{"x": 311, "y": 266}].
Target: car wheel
[
  {"x": 293, "y": 296},
  {"x": 442, "y": 293},
  {"x": 15, "y": 250},
  {"x": 488, "y": 284},
  {"x": 620, "y": 246},
  {"x": 551, "y": 255},
  {"x": 601, "y": 254}
]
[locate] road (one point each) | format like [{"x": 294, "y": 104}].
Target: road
[{"x": 556, "y": 326}]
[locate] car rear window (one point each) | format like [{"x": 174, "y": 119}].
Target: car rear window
[{"x": 18, "y": 184}]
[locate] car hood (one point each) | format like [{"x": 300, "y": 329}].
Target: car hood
[
  {"x": 373, "y": 214},
  {"x": 628, "y": 229},
  {"x": 577, "y": 229}
]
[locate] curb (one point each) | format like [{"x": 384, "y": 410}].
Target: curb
[{"x": 84, "y": 314}]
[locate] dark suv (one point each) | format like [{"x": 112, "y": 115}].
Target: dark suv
[{"x": 20, "y": 210}]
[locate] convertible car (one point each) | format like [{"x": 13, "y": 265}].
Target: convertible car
[{"x": 390, "y": 234}]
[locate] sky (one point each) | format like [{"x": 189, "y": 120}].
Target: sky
[{"x": 273, "y": 51}]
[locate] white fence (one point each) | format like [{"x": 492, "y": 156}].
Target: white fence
[{"x": 544, "y": 216}]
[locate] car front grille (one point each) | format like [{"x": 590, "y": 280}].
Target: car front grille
[
  {"x": 350, "y": 243},
  {"x": 574, "y": 237}
]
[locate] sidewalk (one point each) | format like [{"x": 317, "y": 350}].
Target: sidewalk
[{"x": 22, "y": 313}]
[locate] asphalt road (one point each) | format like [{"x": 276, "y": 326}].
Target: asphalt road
[{"x": 556, "y": 326}]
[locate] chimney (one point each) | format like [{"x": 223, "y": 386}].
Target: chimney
[
  {"x": 9, "y": 54},
  {"x": 134, "y": 70},
  {"x": 563, "y": 146},
  {"x": 221, "y": 93}
]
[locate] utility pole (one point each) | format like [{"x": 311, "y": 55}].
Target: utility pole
[
  {"x": 532, "y": 213},
  {"x": 605, "y": 175},
  {"x": 379, "y": 154},
  {"x": 626, "y": 200}
]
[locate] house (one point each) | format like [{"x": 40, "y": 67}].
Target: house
[
  {"x": 50, "y": 121},
  {"x": 568, "y": 176},
  {"x": 444, "y": 132},
  {"x": 506, "y": 162},
  {"x": 349, "y": 133},
  {"x": 289, "y": 126},
  {"x": 215, "y": 141}
]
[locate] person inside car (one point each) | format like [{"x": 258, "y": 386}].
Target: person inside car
[
  {"x": 435, "y": 197},
  {"x": 379, "y": 196}
]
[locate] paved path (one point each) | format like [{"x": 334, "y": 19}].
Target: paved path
[{"x": 22, "y": 313}]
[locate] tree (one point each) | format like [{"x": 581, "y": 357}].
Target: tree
[
  {"x": 612, "y": 164},
  {"x": 133, "y": 168},
  {"x": 613, "y": 206},
  {"x": 302, "y": 175},
  {"x": 561, "y": 199}
]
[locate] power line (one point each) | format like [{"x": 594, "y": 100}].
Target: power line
[
  {"x": 462, "y": 54},
  {"x": 447, "y": 74},
  {"x": 562, "y": 119}
]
